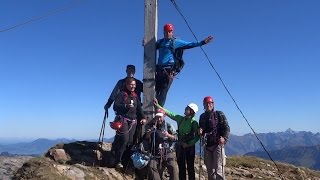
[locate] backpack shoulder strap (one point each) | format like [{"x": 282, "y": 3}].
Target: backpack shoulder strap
[
  {"x": 126, "y": 95},
  {"x": 220, "y": 115},
  {"x": 168, "y": 126},
  {"x": 192, "y": 125},
  {"x": 180, "y": 122},
  {"x": 178, "y": 57},
  {"x": 160, "y": 42},
  {"x": 172, "y": 42}
]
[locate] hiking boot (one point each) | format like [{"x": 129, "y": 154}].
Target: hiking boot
[{"x": 119, "y": 166}]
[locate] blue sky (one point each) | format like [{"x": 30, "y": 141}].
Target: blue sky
[{"x": 56, "y": 73}]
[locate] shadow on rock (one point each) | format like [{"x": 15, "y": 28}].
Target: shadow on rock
[{"x": 83, "y": 152}]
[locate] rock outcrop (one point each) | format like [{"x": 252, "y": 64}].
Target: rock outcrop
[
  {"x": 10, "y": 164},
  {"x": 84, "y": 160}
]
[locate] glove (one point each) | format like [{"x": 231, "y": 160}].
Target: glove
[
  {"x": 108, "y": 104},
  {"x": 106, "y": 107}
]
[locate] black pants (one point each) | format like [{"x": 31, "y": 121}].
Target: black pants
[
  {"x": 141, "y": 174},
  {"x": 124, "y": 140},
  {"x": 138, "y": 133},
  {"x": 186, "y": 155},
  {"x": 164, "y": 79}
]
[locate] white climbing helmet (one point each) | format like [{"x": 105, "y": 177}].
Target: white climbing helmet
[{"x": 194, "y": 107}]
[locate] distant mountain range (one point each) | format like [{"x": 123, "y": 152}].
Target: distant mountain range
[
  {"x": 37, "y": 147},
  {"x": 240, "y": 145},
  {"x": 237, "y": 145},
  {"x": 298, "y": 148},
  {"x": 307, "y": 156}
]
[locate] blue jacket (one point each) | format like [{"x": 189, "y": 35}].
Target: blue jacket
[{"x": 165, "y": 45}]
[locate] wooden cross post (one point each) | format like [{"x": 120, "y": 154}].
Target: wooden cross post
[{"x": 149, "y": 63}]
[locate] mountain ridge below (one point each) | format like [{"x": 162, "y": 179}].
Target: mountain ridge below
[{"x": 76, "y": 160}]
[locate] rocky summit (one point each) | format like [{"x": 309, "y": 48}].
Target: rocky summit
[
  {"x": 84, "y": 160},
  {"x": 10, "y": 164}
]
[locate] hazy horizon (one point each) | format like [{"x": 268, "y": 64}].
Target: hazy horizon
[{"x": 14, "y": 140}]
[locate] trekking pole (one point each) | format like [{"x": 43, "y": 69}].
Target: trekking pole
[
  {"x": 100, "y": 136},
  {"x": 200, "y": 167},
  {"x": 222, "y": 160},
  {"x": 102, "y": 128}
]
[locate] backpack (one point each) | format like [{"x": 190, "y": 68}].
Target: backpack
[
  {"x": 139, "y": 160},
  {"x": 178, "y": 60},
  {"x": 178, "y": 57}
]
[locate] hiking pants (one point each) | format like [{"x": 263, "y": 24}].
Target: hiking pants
[
  {"x": 164, "y": 79},
  {"x": 214, "y": 159},
  {"x": 155, "y": 171},
  {"x": 141, "y": 174},
  {"x": 122, "y": 140},
  {"x": 183, "y": 155}
]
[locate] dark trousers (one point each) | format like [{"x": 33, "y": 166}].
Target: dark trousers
[
  {"x": 164, "y": 80},
  {"x": 123, "y": 140},
  {"x": 138, "y": 133},
  {"x": 186, "y": 155},
  {"x": 141, "y": 174},
  {"x": 155, "y": 170}
]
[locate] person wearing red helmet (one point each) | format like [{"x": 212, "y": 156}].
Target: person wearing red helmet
[
  {"x": 168, "y": 27},
  {"x": 214, "y": 132},
  {"x": 166, "y": 59},
  {"x": 127, "y": 107}
]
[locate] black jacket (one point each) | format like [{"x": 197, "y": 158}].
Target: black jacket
[
  {"x": 120, "y": 86},
  {"x": 215, "y": 125},
  {"x": 122, "y": 100}
]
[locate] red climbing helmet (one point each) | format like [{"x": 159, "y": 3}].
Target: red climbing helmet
[
  {"x": 208, "y": 99},
  {"x": 168, "y": 27},
  {"x": 160, "y": 112},
  {"x": 116, "y": 125}
]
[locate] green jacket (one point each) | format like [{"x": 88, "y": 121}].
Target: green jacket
[{"x": 184, "y": 125}]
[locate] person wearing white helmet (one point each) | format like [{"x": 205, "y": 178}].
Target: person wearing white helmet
[{"x": 187, "y": 137}]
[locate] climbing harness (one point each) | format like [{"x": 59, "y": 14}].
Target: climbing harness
[{"x": 120, "y": 119}]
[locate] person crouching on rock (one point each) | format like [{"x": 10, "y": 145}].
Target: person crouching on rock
[{"x": 162, "y": 136}]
